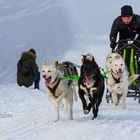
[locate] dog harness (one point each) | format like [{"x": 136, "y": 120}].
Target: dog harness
[
  {"x": 53, "y": 90},
  {"x": 116, "y": 80}
]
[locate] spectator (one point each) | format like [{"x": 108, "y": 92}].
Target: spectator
[{"x": 27, "y": 70}]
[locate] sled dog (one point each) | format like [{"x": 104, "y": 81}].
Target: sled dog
[
  {"x": 58, "y": 86},
  {"x": 119, "y": 79},
  {"x": 91, "y": 84}
]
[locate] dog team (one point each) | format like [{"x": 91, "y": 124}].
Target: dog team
[
  {"x": 61, "y": 87},
  {"x": 61, "y": 79}
]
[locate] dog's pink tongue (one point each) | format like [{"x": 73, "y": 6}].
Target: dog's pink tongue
[
  {"x": 119, "y": 74},
  {"x": 46, "y": 83},
  {"x": 88, "y": 80}
]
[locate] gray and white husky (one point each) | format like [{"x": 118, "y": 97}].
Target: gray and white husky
[{"x": 58, "y": 87}]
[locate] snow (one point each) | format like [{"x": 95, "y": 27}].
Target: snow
[
  {"x": 27, "y": 114},
  {"x": 58, "y": 30}
]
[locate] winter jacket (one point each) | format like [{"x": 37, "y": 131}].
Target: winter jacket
[
  {"x": 29, "y": 60},
  {"x": 125, "y": 31}
]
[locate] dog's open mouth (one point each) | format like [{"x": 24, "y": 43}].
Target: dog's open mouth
[
  {"x": 88, "y": 80},
  {"x": 47, "y": 81},
  {"x": 119, "y": 72}
]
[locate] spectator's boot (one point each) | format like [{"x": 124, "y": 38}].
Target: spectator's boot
[{"x": 36, "y": 85}]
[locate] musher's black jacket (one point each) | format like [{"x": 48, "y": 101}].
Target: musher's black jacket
[{"x": 125, "y": 31}]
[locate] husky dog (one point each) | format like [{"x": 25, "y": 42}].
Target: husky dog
[
  {"x": 58, "y": 86},
  {"x": 119, "y": 79},
  {"x": 110, "y": 57},
  {"x": 91, "y": 84}
]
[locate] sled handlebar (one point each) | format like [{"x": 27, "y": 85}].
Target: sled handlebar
[{"x": 127, "y": 42}]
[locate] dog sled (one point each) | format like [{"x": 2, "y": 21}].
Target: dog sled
[{"x": 131, "y": 55}]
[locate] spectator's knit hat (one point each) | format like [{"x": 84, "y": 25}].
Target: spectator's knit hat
[
  {"x": 126, "y": 11},
  {"x": 33, "y": 51}
]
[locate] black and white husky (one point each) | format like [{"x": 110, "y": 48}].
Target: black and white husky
[
  {"x": 91, "y": 84},
  {"x": 58, "y": 86}
]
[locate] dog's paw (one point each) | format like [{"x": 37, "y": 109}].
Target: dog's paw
[
  {"x": 86, "y": 111},
  {"x": 93, "y": 118},
  {"x": 123, "y": 106},
  {"x": 56, "y": 120},
  {"x": 71, "y": 118}
]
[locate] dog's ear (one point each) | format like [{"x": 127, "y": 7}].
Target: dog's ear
[
  {"x": 108, "y": 56},
  {"x": 93, "y": 59},
  {"x": 90, "y": 57},
  {"x": 55, "y": 63},
  {"x": 118, "y": 56},
  {"x": 44, "y": 63}
]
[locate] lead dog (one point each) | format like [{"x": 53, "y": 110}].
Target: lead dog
[
  {"x": 119, "y": 79},
  {"x": 91, "y": 84},
  {"x": 58, "y": 87}
]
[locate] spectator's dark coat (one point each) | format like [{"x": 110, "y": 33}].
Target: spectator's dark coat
[{"x": 29, "y": 61}]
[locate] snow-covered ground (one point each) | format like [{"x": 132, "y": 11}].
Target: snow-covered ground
[
  {"x": 26, "y": 114},
  {"x": 62, "y": 30}
]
